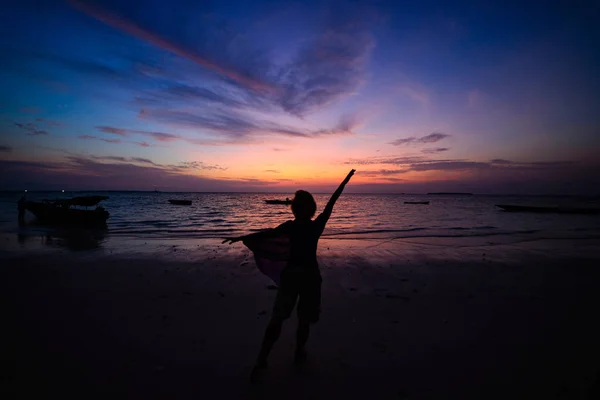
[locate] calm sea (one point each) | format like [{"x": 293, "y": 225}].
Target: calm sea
[{"x": 216, "y": 215}]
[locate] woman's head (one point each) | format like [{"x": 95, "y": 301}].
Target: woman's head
[{"x": 304, "y": 205}]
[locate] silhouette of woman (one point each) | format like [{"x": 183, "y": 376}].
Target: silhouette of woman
[{"x": 300, "y": 279}]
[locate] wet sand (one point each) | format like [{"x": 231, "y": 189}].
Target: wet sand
[{"x": 401, "y": 319}]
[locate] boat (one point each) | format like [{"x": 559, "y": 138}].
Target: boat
[
  {"x": 416, "y": 202},
  {"x": 61, "y": 211},
  {"x": 180, "y": 202},
  {"x": 286, "y": 202},
  {"x": 549, "y": 210}
]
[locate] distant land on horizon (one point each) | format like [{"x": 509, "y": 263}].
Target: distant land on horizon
[{"x": 68, "y": 192}]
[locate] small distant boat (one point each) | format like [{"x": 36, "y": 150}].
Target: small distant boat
[
  {"x": 549, "y": 210},
  {"x": 60, "y": 211},
  {"x": 181, "y": 202},
  {"x": 416, "y": 202},
  {"x": 284, "y": 202}
]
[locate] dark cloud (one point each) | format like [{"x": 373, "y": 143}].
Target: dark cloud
[
  {"x": 111, "y": 130},
  {"x": 386, "y": 160},
  {"x": 182, "y": 166},
  {"x": 422, "y": 164},
  {"x": 158, "y": 136},
  {"x": 382, "y": 172},
  {"x": 238, "y": 127},
  {"x": 431, "y": 138},
  {"x": 81, "y": 173},
  {"x": 32, "y": 128},
  {"x": 393, "y": 179},
  {"x": 199, "y": 165},
  {"x": 90, "y": 137},
  {"x": 37, "y": 133},
  {"x": 500, "y": 161},
  {"x": 28, "y": 127},
  {"x": 142, "y": 160},
  {"x": 124, "y": 159},
  {"x": 531, "y": 165},
  {"x": 48, "y": 122},
  {"x": 5, "y": 149},
  {"x": 449, "y": 166},
  {"x": 110, "y": 158},
  {"x": 435, "y": 150}
]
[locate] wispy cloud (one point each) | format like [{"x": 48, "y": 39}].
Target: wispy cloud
[
  {"x": 133, "y": 28},
  {"x": 5, "y": 149},
  {"x": 382, "y": 172},
  {"x": 90, "y": 137},
  {"x": 158, "y": 136},
  {"x": 431, "y": 138},
  {"x": 38, "y": 133},
  {"x": 422, "y": 164},
  {"x": 111, "y": 130},
  {"x": 175, "y": 168},
  {"x": 273, "y": 171},
  {"x": 240, "y": 127},
  {"x": 32, "y": 128},
  {"x": 329, "y": 68},
  {"x": 402, "y": 160},
  {"x": 124, "y": 159},
  {"x": 197, "y": 165},
  {"x": 449, "y": 166},
  {"x": 48, "y": 122},
  {"x": 435, "y": 150}
]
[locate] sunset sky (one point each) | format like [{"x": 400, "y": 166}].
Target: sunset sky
[{"x": 282, "y": 95}]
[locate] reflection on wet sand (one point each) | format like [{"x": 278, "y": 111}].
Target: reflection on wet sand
[{"x": 75, "y": 239}]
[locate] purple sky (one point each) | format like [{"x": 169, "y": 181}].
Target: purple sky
[{"x": 278, "y": 96}]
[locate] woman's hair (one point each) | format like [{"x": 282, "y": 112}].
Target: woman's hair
[{"x": 304, "y": 205}]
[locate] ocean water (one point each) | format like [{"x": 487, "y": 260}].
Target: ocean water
[{"x": 356, "y": 216}]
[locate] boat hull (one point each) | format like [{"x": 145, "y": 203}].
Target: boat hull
[
  {"x": 181, "y": 202},
  {"x": 56, "y": 215}
]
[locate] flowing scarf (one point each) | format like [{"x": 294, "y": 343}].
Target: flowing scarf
[{"x": 270, "y": 254}]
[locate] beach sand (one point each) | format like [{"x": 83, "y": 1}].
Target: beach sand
[{"x": 401, "y": 319}]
